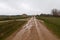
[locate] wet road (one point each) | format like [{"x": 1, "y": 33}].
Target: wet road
[{"x": 34, "y": 30}]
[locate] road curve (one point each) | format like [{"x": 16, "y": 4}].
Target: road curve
[{"x": 34, "y": 30}]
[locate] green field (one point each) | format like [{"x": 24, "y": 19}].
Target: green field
[
  {"x": 52, "y": 23},
  {"x": 12, "y": 17},
  {"x": 7, "y": 27}
]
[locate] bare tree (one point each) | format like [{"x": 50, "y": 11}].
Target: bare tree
[{"x": 55, "y": 12}]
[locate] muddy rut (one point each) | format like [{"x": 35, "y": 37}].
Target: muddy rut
[{"x": 34, "y": 30}]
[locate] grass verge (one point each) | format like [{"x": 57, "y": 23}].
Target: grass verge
[
  {"x": 7, "y": 28},
  {"x": 53, "y": 24}
]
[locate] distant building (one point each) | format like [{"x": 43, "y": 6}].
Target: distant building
[{"x": 58, "y": 13}]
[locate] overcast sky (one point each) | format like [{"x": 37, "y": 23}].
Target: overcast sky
[{"x": 15, "y": 7}]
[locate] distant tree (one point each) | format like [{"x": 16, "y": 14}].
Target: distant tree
[
  {"x": 24, "y": 15},
  {"x": 55, "y": 12}
]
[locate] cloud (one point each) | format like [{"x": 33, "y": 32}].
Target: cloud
[{"x": 11, "y": 7}]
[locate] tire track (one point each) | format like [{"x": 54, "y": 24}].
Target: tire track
[{"x": 34, "y": 30}]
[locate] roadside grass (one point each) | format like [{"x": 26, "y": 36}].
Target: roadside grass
[
  {"x": 53, "y": 24},
  {"x": 7, "y": 28}
]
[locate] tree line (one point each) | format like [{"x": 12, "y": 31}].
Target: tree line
[{"x": 54, "y": 12}]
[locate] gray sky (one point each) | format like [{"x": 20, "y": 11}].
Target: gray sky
[{"x": 15, "y": 7}]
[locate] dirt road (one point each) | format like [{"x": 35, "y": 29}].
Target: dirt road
[{"x": 34, "y": 30}]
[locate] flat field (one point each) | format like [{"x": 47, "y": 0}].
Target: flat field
[
  {"x": 52, "y": 23},
  {"x": 10, "y": 25}
]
